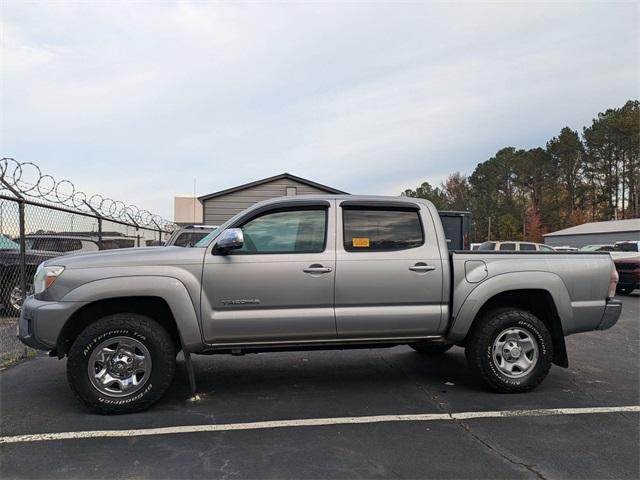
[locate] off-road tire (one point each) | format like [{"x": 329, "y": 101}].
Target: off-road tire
[
  {"x": 479, "y": 349},
  {"x": 430, "y": 350},
  {"x": 143, "y": 329}
]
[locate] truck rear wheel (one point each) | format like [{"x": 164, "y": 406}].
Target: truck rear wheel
[
  {"x": 510, "y": 349},
  {"x": 121, "y": 363}
]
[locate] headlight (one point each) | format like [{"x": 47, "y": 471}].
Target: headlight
[{"x": 45, "y": 276}]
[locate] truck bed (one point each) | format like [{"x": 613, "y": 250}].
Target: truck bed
[{"x": 577, "y": 281}]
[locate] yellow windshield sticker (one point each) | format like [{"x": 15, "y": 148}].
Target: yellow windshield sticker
[{"x": 362, "y": 242}]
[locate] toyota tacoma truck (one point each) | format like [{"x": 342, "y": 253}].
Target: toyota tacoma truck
[{"x": 312, "y": 272}]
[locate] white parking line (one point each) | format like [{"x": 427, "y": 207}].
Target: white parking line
[{"x": 314, "y": 422}]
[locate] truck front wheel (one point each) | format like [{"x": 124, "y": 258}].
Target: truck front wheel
[
  {"x": 121, "y": 363},
  {"x": 510, "y": 349}
]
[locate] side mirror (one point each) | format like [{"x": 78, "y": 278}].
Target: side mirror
[{"x": 230, "y": 239}]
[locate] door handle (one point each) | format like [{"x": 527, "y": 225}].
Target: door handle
[
  {"x": 422, "y": 267},
  {"x": 316, "y": 268}
]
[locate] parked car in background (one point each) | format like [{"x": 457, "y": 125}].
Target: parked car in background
[
  {"x": 515, "y": 246},
  {"x": 41, "y": 247},
  {"x": 111, "y": 242},
  {"x": 565, "y": 248},
  {"x": 64, "y": 243},
  {"x": 190, "y": 235},
  {"x": 10, "y": 284},
  {"x": 596, "y": 248},
  {"x": 626, "y": 249},
  {"x": 627, "y": 246},
  {"x": 628, "y": 273}
]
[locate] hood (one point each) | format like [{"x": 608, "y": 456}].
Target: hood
[{"x": 126, "y": 257}]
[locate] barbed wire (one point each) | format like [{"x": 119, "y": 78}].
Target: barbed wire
[{"x": 27, "y": 179}]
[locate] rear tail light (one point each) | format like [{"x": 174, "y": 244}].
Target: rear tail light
[{"x": 613, "y": 282}]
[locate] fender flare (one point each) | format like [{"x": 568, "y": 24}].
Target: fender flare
[
  {"x": 479, "y": 296},
  {"x": 171, "y": 290}
]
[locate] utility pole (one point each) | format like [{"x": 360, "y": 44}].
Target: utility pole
[{"x": 489, "y": 232}]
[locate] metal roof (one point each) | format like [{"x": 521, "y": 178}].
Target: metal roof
[
  {"x": 271, "y": 179},
  {"x": 612, "y": 226}
]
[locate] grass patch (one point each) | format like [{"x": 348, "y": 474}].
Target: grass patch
[{"x": 9, "y": 359}]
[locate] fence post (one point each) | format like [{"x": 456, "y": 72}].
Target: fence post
[
  {"x": 100, "y": 233},
  {"x": 159, "y": 231},
  {"x": 137, "y": 229},
  {"x": 99, "y": 218},
  {"x": 23, "y": 250}
]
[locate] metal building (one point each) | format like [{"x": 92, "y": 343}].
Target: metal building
[
  {"x": 595, "y": 233},
  {"x": 218, "y": 207}
]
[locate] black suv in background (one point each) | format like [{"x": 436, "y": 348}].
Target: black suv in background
[
  {"x": 62, "y": 243},
  {"x": 41, "y": 247},
  {"x": 78, "y": 243},
  {"x": 10, "y": 284}
]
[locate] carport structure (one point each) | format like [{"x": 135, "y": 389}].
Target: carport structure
[{"x": 595, "y": 233}]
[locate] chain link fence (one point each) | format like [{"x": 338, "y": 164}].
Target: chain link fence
[{"x": 40, "y": 219}]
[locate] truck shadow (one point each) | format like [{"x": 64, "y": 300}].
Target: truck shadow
[{"x": 383, "y": 372}]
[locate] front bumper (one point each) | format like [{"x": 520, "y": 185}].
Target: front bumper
[
  {"x": 612, "y": 312},
  {"x": 41, "y": 322}
]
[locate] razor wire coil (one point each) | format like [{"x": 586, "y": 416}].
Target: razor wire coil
[{"x": 26, "y": 179}]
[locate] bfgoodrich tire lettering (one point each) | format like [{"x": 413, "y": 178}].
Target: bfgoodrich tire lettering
[
  {"x": 142, "y": 331},
  {"x": 524, "y": 329}
]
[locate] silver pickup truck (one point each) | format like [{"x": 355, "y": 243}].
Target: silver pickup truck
[{"x": 311, "y": 272}]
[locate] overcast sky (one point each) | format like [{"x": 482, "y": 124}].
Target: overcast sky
[{"x": 134, "y": 100}]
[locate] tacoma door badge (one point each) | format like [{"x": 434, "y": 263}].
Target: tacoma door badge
[{"x": 241, "y": 301}]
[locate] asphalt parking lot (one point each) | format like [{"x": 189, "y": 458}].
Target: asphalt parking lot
[{"x": 585, "y": 443}]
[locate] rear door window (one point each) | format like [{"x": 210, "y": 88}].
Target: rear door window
[
  {"x": 507, "y": 246},
  {"x": 381, "y": 229}
]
